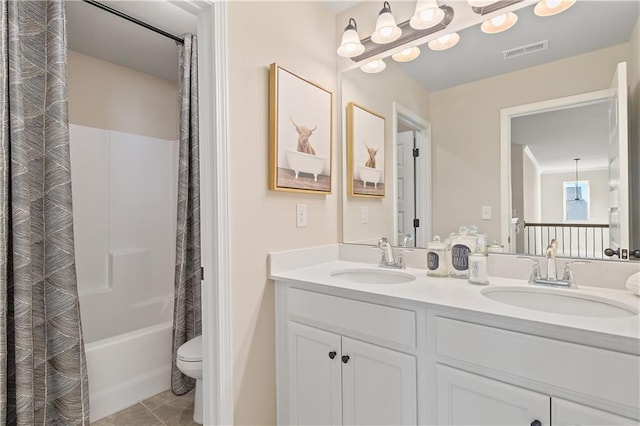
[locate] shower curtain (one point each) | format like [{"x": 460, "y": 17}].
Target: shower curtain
[
  {"x": 187, "y": 318},
  {"x": 43, "y": 374}
]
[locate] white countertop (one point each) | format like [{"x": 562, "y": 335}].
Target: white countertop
[{"x": 452, "y": 293}]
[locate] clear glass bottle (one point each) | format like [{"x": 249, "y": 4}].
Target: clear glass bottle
[
  {"x": 462, "y": 244},
  {"x": 437, "y": 254}
]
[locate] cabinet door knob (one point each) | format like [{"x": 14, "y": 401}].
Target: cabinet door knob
[
  {"x": 635, "y": 253},
  {"x": 536, "y": 423},
  {"x": 332, "y": 354},
  {"x": 345, "y": 358},
  {"x": 611, "y": 252}
]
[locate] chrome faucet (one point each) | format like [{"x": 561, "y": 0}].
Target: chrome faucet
[
  {"x": 567, "y": 279},
  {"x": 388, "y": 258},
  {"x": 406, "y": 239},
  {"x": 567, "y": 276}
]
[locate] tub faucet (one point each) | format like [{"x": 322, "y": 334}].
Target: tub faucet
[{"x": 388, "y": 258}]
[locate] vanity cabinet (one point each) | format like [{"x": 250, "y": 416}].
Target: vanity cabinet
[
  {"x": 465, "y": 398},
  {"x": 341, "y": 365},
  {"x": 336, "y": 380},
  {"x": 470, "y": 399},
  {"x": 346, "y": 357}
]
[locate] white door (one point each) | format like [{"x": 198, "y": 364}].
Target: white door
[
  {"x": 469, "y": 399},
  {"x": 379, "y": 385},
  {"x": 567, "y": 413},
  {"x": 314, "y": 376},
  {"x": 618, "y": 162},
  {"x": 406, "y": 189}
]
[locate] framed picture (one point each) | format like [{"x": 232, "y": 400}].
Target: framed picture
[
  {"x": 366, "y": 140},
  {"x": 300, "y": 133}
]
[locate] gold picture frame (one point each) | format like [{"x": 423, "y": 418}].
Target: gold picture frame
[
  {"x": 300, "y": 134},
  {"x": 366, "y": 142}
]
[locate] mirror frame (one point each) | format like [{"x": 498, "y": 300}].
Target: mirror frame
[{"x": 506, "y": 114}]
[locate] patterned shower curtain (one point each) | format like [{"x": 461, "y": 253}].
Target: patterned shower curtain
[
  {"x": 43, "y": 374},
  {"x": 187, "y": 314}
]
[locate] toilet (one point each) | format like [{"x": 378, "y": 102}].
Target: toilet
[{"x": 189, "y": 361}]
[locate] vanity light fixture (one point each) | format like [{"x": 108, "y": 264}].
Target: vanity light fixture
[
  {"x": 552, "y": 7},
  {"x": 386, "y": 28},
  {"x": 350, "y": 45},
  {"x": 444, "y": 42},
  {"x": 499, "y": 23},
  {"x": 374, "y": 66},
  {"x": 427, "y": 15},
  {"x": 406, "y": 55}
]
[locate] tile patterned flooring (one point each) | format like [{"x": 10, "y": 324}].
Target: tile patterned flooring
[{"x": 163, "y": 409}]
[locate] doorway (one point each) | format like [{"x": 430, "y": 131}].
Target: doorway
[{"x": 412, "y": 175}]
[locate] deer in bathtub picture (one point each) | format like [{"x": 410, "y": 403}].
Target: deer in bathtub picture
[
  {"x": 304, "y": 159},
  {"x": 369, "y": 173}
]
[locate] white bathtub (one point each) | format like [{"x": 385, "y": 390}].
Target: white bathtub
[
  {"x": 369, "y": 175},
  {"x": 128, "y": 368},
  {"x": 306, "y": 163}
]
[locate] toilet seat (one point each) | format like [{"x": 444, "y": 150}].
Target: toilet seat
[{"x": 191, "y": 351}]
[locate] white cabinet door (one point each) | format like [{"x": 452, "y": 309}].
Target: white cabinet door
[
  {"x": 567, "y": 413},
  {"x": 469, "y": 399},
  {"x": 315, "y": 396},
  {"x": 379, "y": 385}
]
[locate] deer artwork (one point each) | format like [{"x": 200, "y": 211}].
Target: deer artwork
[
  {"x": 371, "y": 162},
  {"x": 304, "y": 133}
]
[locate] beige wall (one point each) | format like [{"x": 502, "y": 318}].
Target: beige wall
[
  {"x": 552, "y": 197},
  {"x": 466, "y": 131},
  {"x": 299, "y": 36},
  {"x": 532, "y": 197},
  {"x": 108, "y": 96},
  {"x": 377, "y": 92}
]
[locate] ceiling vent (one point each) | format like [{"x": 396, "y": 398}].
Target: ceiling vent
[{"x": 525, "y": 50}]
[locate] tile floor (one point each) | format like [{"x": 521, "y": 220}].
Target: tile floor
[{"x": 163, "y": 409}]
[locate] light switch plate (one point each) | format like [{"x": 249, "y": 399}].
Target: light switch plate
[
  {"x": 486, "y": 213},
  {"x": 364, "y": 210},
  {"x": 301, "y": 215}
]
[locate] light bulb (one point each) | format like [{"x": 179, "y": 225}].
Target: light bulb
[
  {"x": 386, "y": 31},
  {"x": 552, "y": 4},
  {"x": 445, "y": 38},
  {"x": 499, "y": 20},
  {"x": 350, "y": 47},
  {"x": 427, "y": 14},
  {"x": 374, "y": 67}
]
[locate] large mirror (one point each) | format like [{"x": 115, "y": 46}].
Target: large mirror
[{"x": 451, "y": 105}]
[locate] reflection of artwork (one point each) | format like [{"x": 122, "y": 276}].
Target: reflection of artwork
[
  {"x": 300, "y": 131},
  {"x": 365, "y": 152}
]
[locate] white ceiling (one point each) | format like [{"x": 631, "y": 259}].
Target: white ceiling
[
  {"x": 555, "y": 138},
  {"x": 96, "y": 33}
]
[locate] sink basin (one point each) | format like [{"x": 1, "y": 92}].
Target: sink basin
[
  {"x": 373, "y": 276},
  {"x": 559, "y": 302}
]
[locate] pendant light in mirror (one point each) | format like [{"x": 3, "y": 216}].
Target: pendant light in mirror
[
  {"x": 350, "y": 45},
  {"x": 577, "y": 192},
  {"x": 499, "y": 23},
  {"x": 552, "y": 7},
  {"x": 386, "y": 28},
  {"x": 426, "y": 15},
  {"x": 374, "y": 66},
  {"x": 444, "y": 42}
]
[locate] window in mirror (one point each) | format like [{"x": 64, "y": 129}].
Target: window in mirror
[{"x": 576, "y": 200}]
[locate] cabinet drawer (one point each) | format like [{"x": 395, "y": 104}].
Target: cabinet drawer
[
  {"x": 379, "y": 324},
  {"x": 606, "y": 375}
]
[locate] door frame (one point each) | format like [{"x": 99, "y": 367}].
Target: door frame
[
  {"x": 506, "y": 114},
  {"x": 423, "y": 173},
  {"x": 217, "y": 374}
]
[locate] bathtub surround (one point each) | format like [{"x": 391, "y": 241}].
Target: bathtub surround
[
  {"x": 44, "y": 374},
  {"x": 187, "y": 314}
]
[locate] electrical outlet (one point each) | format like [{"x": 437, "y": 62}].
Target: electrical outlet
[
  {"x": 486, "y": 213},
  {"x": 364, "y": 213},
  {"x": 301, "y": 215}
]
